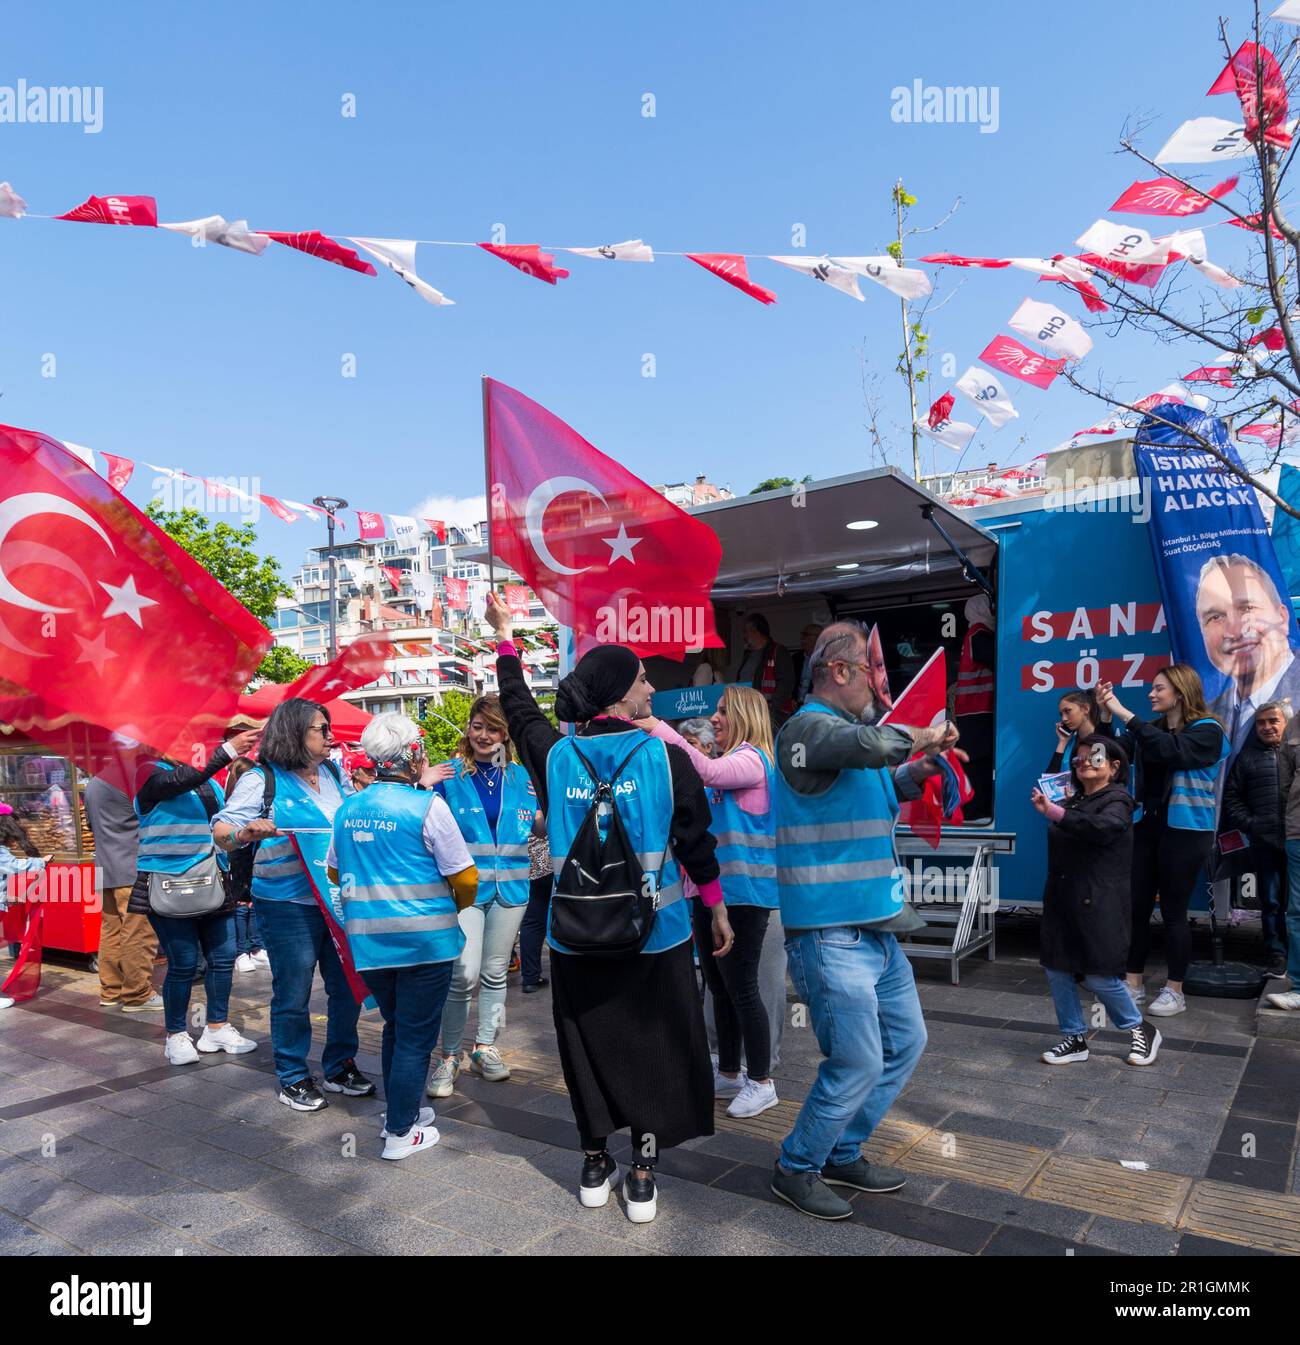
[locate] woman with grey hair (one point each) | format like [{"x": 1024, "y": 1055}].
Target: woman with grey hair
[
  {"x": 296, "y": 787},
  {"x": 403, "y": 872},
  {"x": 699, "y": 733}
]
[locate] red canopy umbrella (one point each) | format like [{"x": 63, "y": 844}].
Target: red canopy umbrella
[{"x": 348, "y": 720}]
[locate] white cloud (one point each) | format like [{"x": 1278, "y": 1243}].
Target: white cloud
[{"x": 460, "y": 512}]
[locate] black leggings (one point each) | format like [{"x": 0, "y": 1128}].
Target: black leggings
[
  {"x": 1167, "y": 861},
  {"x": 738, "y": 1008}
]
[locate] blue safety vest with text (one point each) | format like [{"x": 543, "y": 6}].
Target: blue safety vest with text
[
  {"x": 175, "y": 834},
  {"x": 746, "y": 844},
  {"x": 502, "y": 862},
  {"x": 278, "y": 873},
  {"x": 1191, "y": 792}
]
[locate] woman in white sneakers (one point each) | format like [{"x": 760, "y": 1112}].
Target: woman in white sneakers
[{"x": 739, "y": 782}]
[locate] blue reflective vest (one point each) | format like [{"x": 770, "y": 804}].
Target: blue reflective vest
[
  {"x": 502, "y": 863},
  {"x": 645, "y": 803},
  {"x": 1191, "y": 793},
  {"x": 835, "y": 860},
  {"x": 398, "y": 909},
  {"x": 746, "y": 844},
  {"x": 278, "y": 874},
  {"x": 176, "y": 833}
]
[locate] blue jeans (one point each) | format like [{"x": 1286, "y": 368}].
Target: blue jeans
[
  {"x": 297, "y": 942},
  {"x": 410, "y": 1000},
  {"x": 182, "y": 940},
  {"x": 862, "y": 998},
  {"x": 532, "y": 933},
  {"x": 1293, "y": 912},
  {"x": 1270, "y": 873},
  {"x": 248, "y": 937},
  {"x": 1111, "y": 990}
]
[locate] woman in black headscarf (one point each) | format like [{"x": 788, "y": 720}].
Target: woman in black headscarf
[{"x": 630, "y": 1029}]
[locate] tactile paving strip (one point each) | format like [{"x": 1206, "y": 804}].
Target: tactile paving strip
[
  {"x": 971, "y": 1158},
  {"x": 1261, "y": 1219},
  {"x": 1103, "y": 1187}
]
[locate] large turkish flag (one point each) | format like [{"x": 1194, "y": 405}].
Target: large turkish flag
[
  {"x": 608, "y": 555},
  {"x": 107, "y": 626}
]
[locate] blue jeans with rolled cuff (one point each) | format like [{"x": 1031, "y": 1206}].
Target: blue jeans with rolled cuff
[
  {"x": 1112, "y": 991},
  {"x": 410, "y": 1001},
  {"x": 184, "y": 941}
]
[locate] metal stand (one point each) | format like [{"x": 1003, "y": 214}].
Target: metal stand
[
  {"x": 970, "y": 917},
  {"x": 1218, "y": 978}
]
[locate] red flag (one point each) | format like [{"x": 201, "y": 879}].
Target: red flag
[
  {"x": 1252, "y": 222},
  {"x": 1146, "y": 274},
  {"x": 1210, "y": 373},
  {"x": 23, "y": 924},
  {"x": 313, "y": 850},
  {"x": 1168, "y": 196},
  {"x": 731, "y": 268},
  {"x": 115, "y": 210},
  {"x": 1250, "y": 67},
  {"x": 1154, "y": 399},
  {"x": 107, "y": 626},
  {"x": 1271, "y": 337},
  {"x": 528, "y": 258},
  {"x": 119, "y": 470},
  {"x": 1269, "y": 434},
  {"x": 922, "y": 705},
  {"x": 353, "y": 666},
  {"x": 394, "y": 576},
  {"x": 457, "y": 593},
  {"x": 439, "y": 529},
  {"x": 607, "y": 555},
  {"x": 517, "y": 599},
  {"x": 370, "y": 526},
  {"x": 941, "y": 409},
  {"x": 278, "y": 508},
  {"x": 1086, "y": 290},
  {"x": 315, "y": 244},
  {"x": 952, "y": 259},
  {"x": 1009, "y": 355}
]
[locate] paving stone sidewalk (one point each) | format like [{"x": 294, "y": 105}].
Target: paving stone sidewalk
[{"x": 105, "y": 1148}]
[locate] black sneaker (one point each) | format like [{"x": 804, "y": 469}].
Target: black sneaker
[
  {"x": 599, "y": 1176},
  {"x": 1277, "y": 965},
  {"x": 639, "y": 1195},
  {"x": 1146, "y": 1045},
  {"x": 531, "y": 986},
  {"x": 864, "y": 1176},
  {"x": 1067, "y": 1051},
  {"x": 350, "y": 1080},
  {"x": 809, "y": 1194},
  {"x": 303, "y": 1095}
]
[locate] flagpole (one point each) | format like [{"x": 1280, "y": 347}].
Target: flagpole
[{"x": 487, "y": 485}]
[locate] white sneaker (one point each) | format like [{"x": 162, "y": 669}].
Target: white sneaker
[
  {"x": 6, "y": 1002},
  {"x": 153, "y": 1002},
  {"x": 225, "y": 1038},
  {"x": 725, "y": 1087},
  {"x": 1167, "y": 1003},
  {"x": 1286, "y": 999},
  {"x": 442, "y": 1081},
  {"x": 1139, "y": 995},
  {"x": 180, "y": 1049},
  {"x": 262, "y": 958},
  {"x": 424, "y": 1120},
  {"x": 244, "y": 962},
  {"x": 753, "y": 1098},
  {"x": 417, "y": 1140}
]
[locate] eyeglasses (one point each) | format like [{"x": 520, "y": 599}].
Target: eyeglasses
[{"x": 323, "y": 729}]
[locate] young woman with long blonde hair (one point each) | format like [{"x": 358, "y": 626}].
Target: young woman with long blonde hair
[{"x": 739, "y": 781}]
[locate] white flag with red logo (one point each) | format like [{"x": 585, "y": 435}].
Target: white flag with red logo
[
  {"x": 823, "y": 269},
  {"x": 987, "y": 392},
  {"x": 904, "y": 281},
  {"x": 1005, "y": 352},
  {"x": 370, "y": 526},
  {"x": 1046, "y": 324}
]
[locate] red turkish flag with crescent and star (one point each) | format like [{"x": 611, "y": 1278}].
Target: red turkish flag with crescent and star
[
  {"x": 607, "y": 555},
  {"x": 107, "y": 626},
  {"x": 353, "y": 666}
]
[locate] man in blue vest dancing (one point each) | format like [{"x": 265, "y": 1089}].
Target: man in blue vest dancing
[{"x": 838, "y": 785}]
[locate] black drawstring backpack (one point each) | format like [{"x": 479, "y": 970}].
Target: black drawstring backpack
[{"x": 602, "y": 905}]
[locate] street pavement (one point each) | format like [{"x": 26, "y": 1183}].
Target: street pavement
[{"x": 105, "y": 1148}]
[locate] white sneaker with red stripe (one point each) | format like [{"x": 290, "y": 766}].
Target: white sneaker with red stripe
[{"x": 417, "y": 1140}]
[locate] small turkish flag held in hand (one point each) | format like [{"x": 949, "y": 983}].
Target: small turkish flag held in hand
[
  {"x": 106, "y": 625},
  {"x": 608, "y": 556},
  {"x": 353, "y": 666}
]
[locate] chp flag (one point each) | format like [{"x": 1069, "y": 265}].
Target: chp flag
[
  {"x": 986, "y": 391},
  {"x": 1050, "y": 327},
  {"x": 1005, "y": 352},
  {"x": 113, "y": 637},
  {"x": 608, "y": 556}
]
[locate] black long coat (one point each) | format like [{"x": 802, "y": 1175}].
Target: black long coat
[{"x": 1086, "y": 904}]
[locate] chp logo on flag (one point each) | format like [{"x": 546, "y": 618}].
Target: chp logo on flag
[
  {"x": 1020, "y": 362},
  {"x": 987, "y": 392},
  {"x": 1046, "y": 324}
]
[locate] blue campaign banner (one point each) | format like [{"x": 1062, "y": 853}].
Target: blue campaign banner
[
  {"x": 687, "y": 702},
  {"x": 1225, "y": 596},
  {"x": 1286, "y": 529}
]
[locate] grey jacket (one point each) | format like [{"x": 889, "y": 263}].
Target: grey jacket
[{"x": 116, "y": 830}]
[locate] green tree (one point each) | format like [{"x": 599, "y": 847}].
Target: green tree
[
  {"x": 778, "y": 483},
  {"x": 444, "y": 724},
  {"x": 229, "y": 554}
]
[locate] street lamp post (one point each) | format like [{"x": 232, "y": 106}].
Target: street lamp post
[{"x": 331, "y": 506}]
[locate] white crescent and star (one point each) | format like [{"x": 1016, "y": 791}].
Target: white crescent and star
[{"x": 535, "y": 518}]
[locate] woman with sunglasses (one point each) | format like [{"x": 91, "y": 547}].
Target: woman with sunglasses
[
  {"x": 296, "y": 786},
  {"x": 1086, "y": 908}
]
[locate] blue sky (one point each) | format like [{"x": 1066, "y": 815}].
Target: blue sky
[{"x": 766, "y": 118}]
